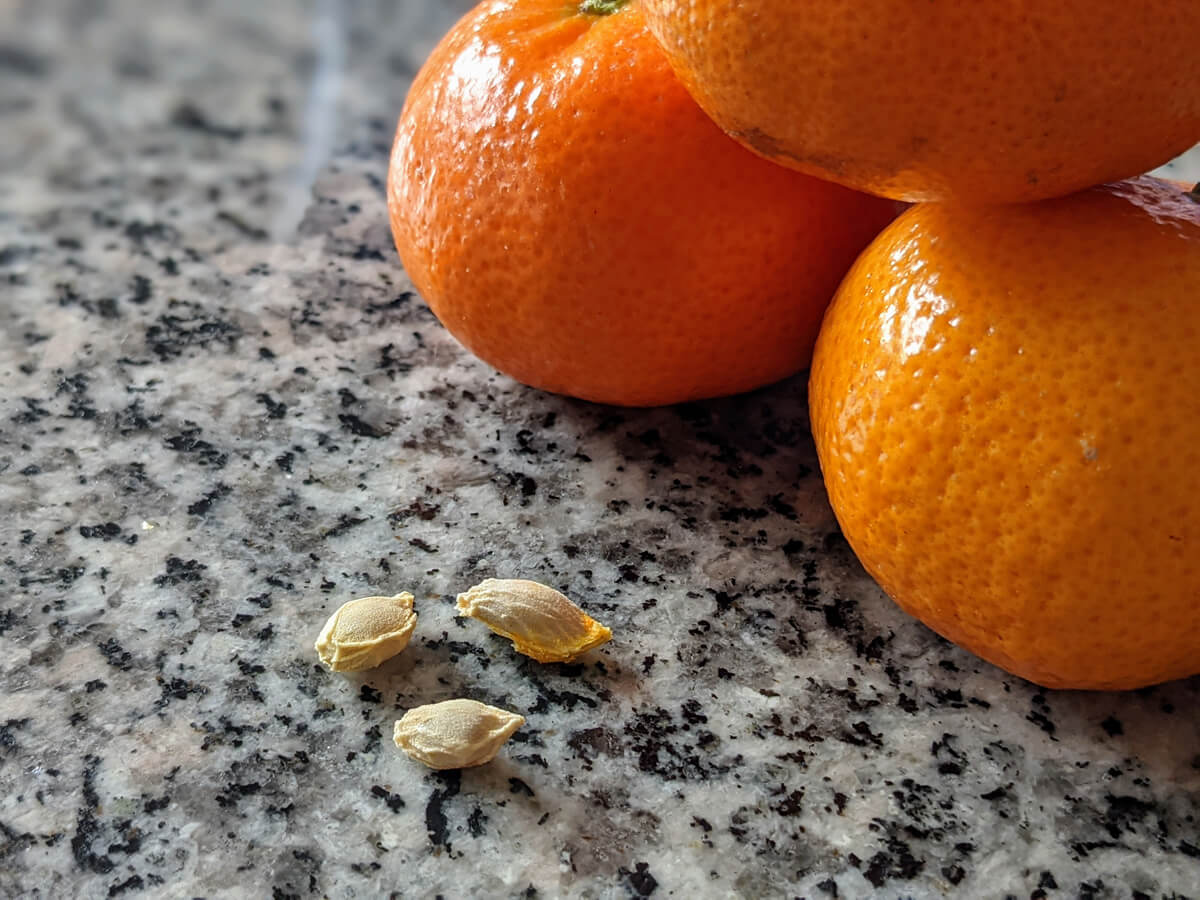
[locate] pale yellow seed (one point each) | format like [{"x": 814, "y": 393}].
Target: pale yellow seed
[
  {"x": 365, "y": 632},
  {"x": 455, "y": 734},
  {"x": 540, "y": 621}
]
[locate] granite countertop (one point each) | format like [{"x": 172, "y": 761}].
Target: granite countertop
[{"x": 224, "y": 413}]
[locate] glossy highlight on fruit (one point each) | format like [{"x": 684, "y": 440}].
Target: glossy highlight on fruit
[
  {"x": 575, "y": 220},
  {"x": 980, "y": 102},
  {"x": 1006, "y": 412}
]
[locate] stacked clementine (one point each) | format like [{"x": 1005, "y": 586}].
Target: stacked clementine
[
  {"x": 1003, "y": 389},
  {"x": 1006, "y": 411},
  {"x": 573, "y": 217},
  {"x": 983, "y": 101}
]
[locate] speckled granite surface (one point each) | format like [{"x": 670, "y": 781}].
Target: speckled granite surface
[{"x": 224, "y": 413}]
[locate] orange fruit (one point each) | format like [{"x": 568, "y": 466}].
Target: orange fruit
[
  {"x": 1005, "y": 406},
  {"x": 574, "y": 219},
  {"x": 980, "y": 101}
]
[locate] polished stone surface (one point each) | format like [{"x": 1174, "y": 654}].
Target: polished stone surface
[{"x": 224, "y": 413}]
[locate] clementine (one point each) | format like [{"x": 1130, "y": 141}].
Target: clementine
[
  {"x": 574, "y": 219},
  {"x": 986, "y": 101},
  {"x": 1005, "y": 408}
]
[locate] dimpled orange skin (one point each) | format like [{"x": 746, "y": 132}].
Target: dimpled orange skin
[
  {"x": 574, "y": 219},
  {"x": 1006, "y": 412},
  {"x": 983, "y": 101}
]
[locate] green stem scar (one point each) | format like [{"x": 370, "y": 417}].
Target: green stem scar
[{"x": 600, "y": 7}]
